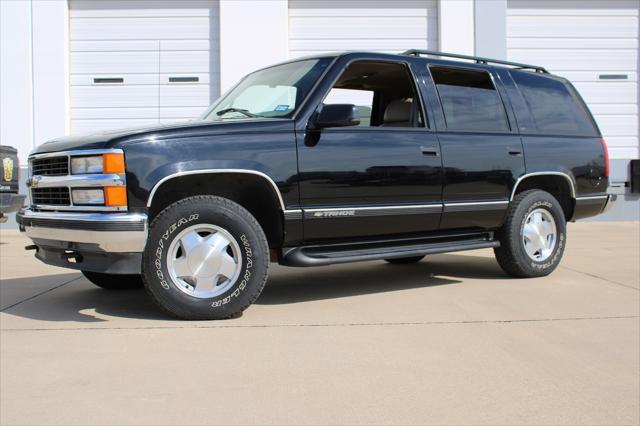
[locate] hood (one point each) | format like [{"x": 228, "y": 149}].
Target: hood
[{"x": 120, "y": 137}]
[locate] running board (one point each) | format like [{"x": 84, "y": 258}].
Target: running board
[{"x": 329, "y": 255}]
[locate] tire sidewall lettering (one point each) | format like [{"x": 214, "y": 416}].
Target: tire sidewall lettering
[{"x": 165, "y": 281}]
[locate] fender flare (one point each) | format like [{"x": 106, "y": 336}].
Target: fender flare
[{"x": 216, "y": 171}]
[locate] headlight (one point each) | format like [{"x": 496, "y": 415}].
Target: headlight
[
  {"x": 106, "y": 163},
  {"x": 83, "y": 165},
  {"x": 87, "y": 196}
]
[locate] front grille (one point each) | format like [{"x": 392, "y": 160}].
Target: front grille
[
  {"x": 53, "y": 166},
  {"x": 50, "y": 196}
]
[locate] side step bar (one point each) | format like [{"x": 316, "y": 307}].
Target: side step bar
[{"x": 329, "y": 255}]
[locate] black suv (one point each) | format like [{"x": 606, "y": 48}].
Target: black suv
[{"x": 324, "y": 160}]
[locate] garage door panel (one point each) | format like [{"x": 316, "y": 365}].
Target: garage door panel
[
  {"x": 115, "y": 113},
  {"x": 114, "y": 62},
  {"x": 354, "y": 27},
  {"x": 594, "y": 76},
  {"x": 576, "y": 26},
  {"x": 165, "y": 52},
  {"x": 568, "y": 7},
  {"x": 184, "y": 96},
  {"x": 567, "y": 59},
  {"x": 127, "y": 79},
  {"x": 570, "y": 43},
  {"x": 113, "y": 96},
  {"x": 614, "y": 109},
  {"x": 181, "y": 113},
  {"x": 184, "y": 62},
  {"x": 617, "y": 125},
  {"x": 91, "y": 126},
  {"x": 140, "y": 8},
  {"x": 140, "y": 28},
  {"x": 369, "y": 44},
  {"x": 600, "y": 92},
  {"x": 329, "y": 26}
]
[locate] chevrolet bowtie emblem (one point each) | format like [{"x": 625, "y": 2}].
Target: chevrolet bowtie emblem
[
  {"x": 34, "y": 181},
  {"x": 7, "y": 165}
]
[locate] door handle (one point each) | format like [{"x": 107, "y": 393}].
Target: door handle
[
  {"x": 428, "y": 151},
  {"x": 515, "y": 152}
]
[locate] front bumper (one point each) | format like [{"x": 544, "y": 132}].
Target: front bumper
[
  {"x": 110, "y": 243},
  {"x": 101, "y": 232},
  {"x": 9, "y": 203}
]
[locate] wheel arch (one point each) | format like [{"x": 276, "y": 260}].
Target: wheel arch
[
  {"x": 253, "y": 190},
  {"x": 559, "y": 184}
]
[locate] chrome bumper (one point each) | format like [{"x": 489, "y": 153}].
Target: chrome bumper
[
  {"x": 110, "y": 232},
  {"x": 611, "y": 199}
]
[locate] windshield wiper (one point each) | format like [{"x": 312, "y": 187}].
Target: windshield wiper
[{"x": 240, "y": 110}]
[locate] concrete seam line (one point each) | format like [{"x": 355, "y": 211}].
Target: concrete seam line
[
  {"x": 600, "y": 278},
  {"x": 39, "y": 294},
  {"x": 205, "y": 327}
]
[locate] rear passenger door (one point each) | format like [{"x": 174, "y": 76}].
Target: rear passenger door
[{"x": 482, "y": 152}]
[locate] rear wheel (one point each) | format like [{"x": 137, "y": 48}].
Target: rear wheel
[
  {"x": 405, "y": 260},
  {"x": 206, "y": 258},
  {"x": 113, "y": 281},
  {"x": 533, "y": 236}
]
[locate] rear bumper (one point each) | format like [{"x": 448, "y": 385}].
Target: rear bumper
[
  {"x": 588, "y": 206},
  {"x": 10, "y": 203},
  {"x": 100, "y": 242}
]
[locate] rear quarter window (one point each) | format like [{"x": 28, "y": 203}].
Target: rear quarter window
[{"x": 554, "y": 107}]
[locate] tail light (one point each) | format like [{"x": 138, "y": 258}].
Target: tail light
[{"x": 606, "y": 157}]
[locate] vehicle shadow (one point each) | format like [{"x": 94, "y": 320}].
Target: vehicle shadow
[
  {"x": 294, "y": 285},
  {"x": 77, "y": 300}
]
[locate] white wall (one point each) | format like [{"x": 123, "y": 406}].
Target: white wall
[
  {"x": 253, "y": 34},
  {"x": 456, "y": 26},
  {"x": 15, "y": 76},
  {"x": 33, "y": 73}
]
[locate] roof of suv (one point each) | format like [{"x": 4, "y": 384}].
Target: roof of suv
[{"x": 439, "y": 56}]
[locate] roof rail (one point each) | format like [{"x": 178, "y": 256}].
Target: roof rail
[{"x": 477, "y": 59}]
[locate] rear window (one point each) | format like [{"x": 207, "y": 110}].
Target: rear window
[
  {"x": 470, "y": 101},
  {"x": 554, "y": 108}
]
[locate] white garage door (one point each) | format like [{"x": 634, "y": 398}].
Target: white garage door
[
  {"x": 594, "y": 43},
  {"x": 317, "y": 26},
  {"x": 137, "y": 62}
]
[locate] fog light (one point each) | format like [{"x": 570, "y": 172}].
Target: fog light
[{"x": 88, "y": 196}]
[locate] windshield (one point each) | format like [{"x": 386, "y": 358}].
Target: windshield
[{"x": 272, "y": 92}]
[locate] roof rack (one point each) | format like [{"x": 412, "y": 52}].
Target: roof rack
[{"x": 477, "y": 59}]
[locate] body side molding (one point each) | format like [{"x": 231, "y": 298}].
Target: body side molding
[{"x": 216, "y": 171}]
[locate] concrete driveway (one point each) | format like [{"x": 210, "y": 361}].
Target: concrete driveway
[{"x": 450, "y": 340}]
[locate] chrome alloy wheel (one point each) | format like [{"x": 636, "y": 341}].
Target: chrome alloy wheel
[
  {"x": 539, "y": 234},
  {"x": 204, "y": 260}
]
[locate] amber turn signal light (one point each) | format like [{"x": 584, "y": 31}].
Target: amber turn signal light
[
  {"x": 115, "y": 196},
  {"x": 113, "y": 163}
]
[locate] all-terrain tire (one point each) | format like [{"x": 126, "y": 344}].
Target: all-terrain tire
[
  {"x": 404, "y": 260},
  {"x": 512, "y": 255},
  {"x": 114, "y": 281},
  {"x": 189, "y": 213}
]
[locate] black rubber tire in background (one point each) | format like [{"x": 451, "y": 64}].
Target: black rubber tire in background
[
  {"x": 114, "y": 281},
  {"x": 511, "y": 254},
  {"x": 233, "y": 218},
  {"x": 405, "y": 260}
]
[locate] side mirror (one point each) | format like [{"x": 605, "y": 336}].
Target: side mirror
[{"x": 337, "y": 115}]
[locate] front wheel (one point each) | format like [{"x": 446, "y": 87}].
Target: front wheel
[
  {"x": 206, "y": 258},
  {"x": 533, "y": 236}
]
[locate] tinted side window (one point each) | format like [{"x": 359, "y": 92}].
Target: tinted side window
[
  {"x": 553, "y": 107},
  {"x": 469, "y": 100}
]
